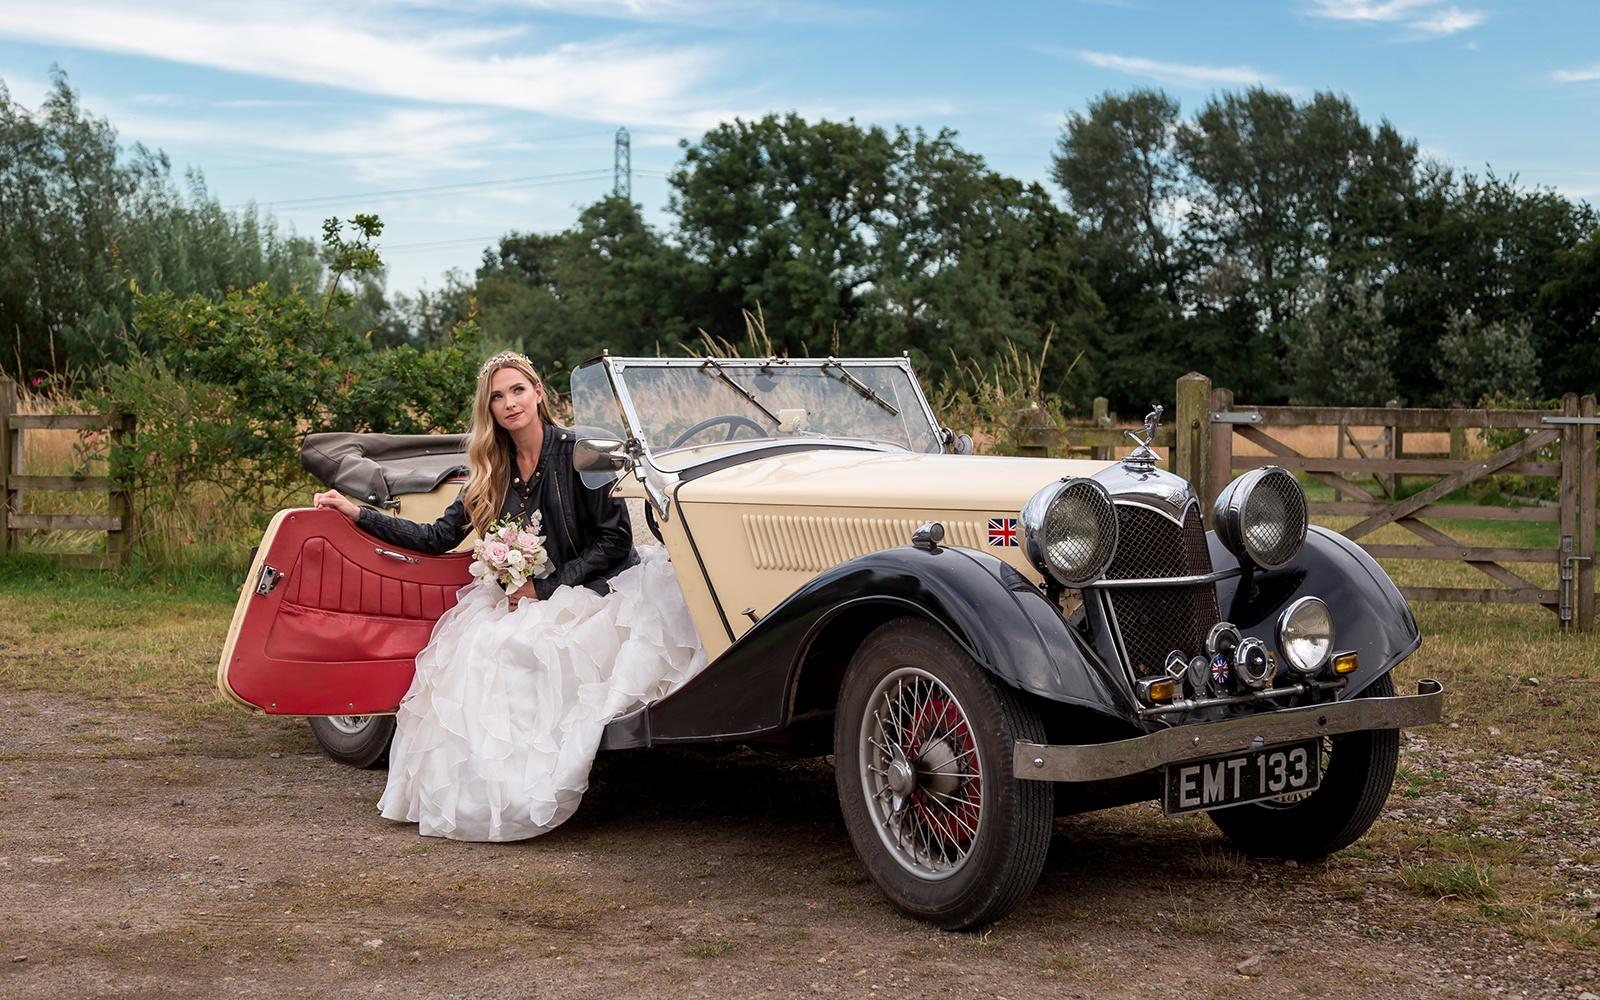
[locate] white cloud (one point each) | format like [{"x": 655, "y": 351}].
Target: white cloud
[
  {"x": 1448, "y": 21},
  {"x": 613, "y": 79},
  {"x": 1178, "y": 74},
  {"x": 1584, "y": 75},
  {"x": 1424, "y": 18}
]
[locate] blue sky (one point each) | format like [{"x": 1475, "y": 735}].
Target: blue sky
[{"x": 502, "y": 112}]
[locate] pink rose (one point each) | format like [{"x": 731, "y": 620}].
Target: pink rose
[
  {"x": 495, "y": 553},
  {"x": 509, "y": 533},
  {"x": 527, "y": 540}
]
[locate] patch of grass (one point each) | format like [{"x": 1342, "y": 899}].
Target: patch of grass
[
  {"x": 709, "y": 948},
  {"x": 134, "y": 640},
  {"x": 1472, "y": 880},
  {"x": 1058, "y": 962}
]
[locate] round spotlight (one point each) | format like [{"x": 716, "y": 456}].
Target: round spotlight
[
  {"x": 1070, "y": 531},
  {"x": 1305, "y": 635},
  {"x": 1261, "y": 517}
]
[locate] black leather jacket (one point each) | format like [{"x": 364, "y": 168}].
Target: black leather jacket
[{"x": 588, "y": 534}]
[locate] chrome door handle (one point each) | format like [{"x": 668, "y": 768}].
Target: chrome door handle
[{"x": 401, "y": 556}]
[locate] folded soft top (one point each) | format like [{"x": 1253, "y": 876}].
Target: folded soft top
[{"x": 379, "y": 467}]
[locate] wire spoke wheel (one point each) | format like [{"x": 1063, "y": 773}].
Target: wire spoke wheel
[
  {"x": 923, "y": 773},
  {"x": 923, "y": 740}
]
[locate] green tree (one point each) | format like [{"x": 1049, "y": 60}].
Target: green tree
[
  {"x": 864, "y": 240},
  {"x": 82, "y": 223}
]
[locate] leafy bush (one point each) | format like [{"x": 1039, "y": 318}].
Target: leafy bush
[
  {"x": 242, "y": 378},
  {"x": 1344, "y": 353}
]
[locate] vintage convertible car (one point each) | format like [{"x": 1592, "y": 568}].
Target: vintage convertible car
[{"x": 981, "y": 642}]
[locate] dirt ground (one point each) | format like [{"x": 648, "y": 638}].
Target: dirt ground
[{"x": 141, "y": 856}]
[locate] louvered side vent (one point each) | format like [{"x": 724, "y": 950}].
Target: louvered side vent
[
  {"x": 813, "y": 544},
  {"x": 1156, "y": 620}
]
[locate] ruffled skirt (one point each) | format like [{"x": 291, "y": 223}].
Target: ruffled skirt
[{"x": 496, "y": 736}]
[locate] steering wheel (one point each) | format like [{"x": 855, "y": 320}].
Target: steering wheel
[{"x": 734, "y": 421}]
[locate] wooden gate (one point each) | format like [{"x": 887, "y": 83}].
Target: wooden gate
[
  {"x": 1205, "y": 453},
  {"x": 117, "y": 522}
]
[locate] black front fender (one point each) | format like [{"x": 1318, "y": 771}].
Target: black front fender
[
  {"x": 1369, "y": 614},
  {"x": 1001, "y": 619}
]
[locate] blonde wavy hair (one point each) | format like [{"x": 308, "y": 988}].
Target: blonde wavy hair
[{"x": 489, "y": 448}]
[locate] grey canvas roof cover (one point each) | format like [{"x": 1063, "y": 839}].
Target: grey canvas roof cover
[{"x": 379, "y": 467}]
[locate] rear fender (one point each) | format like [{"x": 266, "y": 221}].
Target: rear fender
[{"x": 790, "y": 663}]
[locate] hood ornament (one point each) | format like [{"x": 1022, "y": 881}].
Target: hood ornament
[{"x": 1142, "y": 459}]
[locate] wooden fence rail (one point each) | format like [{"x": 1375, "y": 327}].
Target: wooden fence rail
[{"x": 117, "y": 522}]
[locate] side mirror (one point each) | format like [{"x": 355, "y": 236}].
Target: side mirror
[
  {"x": 956, "y": 444},
  {"x": 604, "y": 455}
]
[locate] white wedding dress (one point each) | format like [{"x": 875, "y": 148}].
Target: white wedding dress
[{"x": 495, "y": 738}]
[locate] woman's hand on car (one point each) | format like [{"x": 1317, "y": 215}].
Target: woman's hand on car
[{"x": 337, "y": 501}]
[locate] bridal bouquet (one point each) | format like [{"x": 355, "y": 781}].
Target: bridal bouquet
[{"x": 510, "y": 555}]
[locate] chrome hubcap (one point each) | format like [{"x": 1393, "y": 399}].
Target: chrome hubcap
[{"x": 922, "y": 773}]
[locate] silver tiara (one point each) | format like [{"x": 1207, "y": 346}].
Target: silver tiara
[{"x": 501, "y": 360}]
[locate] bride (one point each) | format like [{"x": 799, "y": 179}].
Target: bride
[{"x": 495, "y": 738}]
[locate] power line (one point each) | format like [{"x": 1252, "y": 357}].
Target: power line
[
  {"x": 440, "y": 244},
  {"x": 533, "y": 180},
  {"x": 358, "y": 157}
]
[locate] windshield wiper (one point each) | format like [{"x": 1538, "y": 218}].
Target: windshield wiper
[
  {"x": 860, "y": 386},
  {"x": 722, "y": 373}
]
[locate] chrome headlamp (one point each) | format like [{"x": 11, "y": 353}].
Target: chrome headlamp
[
  {"x": 1261, "y": 517},
  {"x": 1069, "y": 531},
  {"x": 1305, "y": 635}
]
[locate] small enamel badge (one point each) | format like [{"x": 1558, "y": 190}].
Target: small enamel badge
[{"x": 1220, "y": 668}]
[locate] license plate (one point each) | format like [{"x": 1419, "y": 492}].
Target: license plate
[{"x": 1242, "y": 777}]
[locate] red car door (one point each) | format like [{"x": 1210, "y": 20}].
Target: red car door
[{"x": 331, "y": 619}]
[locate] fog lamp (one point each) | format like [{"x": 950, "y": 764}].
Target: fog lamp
[
  {"x": 1346, "y": 663},
  {"x": 1305, "y": 635}
]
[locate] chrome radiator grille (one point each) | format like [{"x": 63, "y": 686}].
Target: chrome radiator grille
[{"x": 1153, "y": 621}]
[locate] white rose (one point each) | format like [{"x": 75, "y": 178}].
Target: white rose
[{"x": 515, "y": 558}]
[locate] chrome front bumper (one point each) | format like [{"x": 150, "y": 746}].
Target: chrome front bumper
[{"x": 1099, "y": 761}]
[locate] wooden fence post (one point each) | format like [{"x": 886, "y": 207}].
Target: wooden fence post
[
  {"x": 1220, "y": 462},
  {"x": 1391, "y": 449},
  {"x": 1102, "y": 418},
  {"x": 1191, "y": 431},
  {"x": 8, "y": 406},
  {"x": 1570, "y": 506},
  {"x": 1586, "y": 517},
  {"x": 119, "y": 497}
]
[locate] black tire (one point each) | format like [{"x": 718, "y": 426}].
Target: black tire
[
  {"x": 1006, "y": 844},
  {"x": 363, "y": 743},
  {"x": 1358, "y": 771}
]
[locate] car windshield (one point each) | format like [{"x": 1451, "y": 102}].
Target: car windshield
[{"x": 684, "y": 403}]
